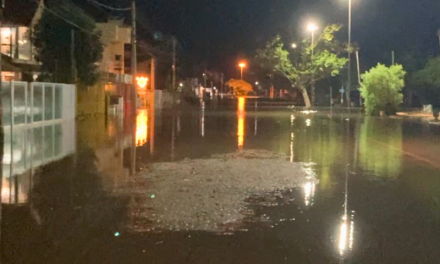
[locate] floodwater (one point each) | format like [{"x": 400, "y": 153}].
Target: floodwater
[{"x": 377, "y": 199}]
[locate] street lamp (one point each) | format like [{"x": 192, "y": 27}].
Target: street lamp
[
  {"x": 142, "y": 82},
  {"x": 241, "y": 65},
  {"x": 349, "y": 55},
  {"x": 312, "y": 27},
  {"x": 204, "y": 78},
  {"x": 294, "y": 46}
]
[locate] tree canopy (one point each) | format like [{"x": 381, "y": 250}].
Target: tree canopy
[
  {"x": 240, "y": 87},
  {"x": 304, "y": 70},
  {"x": 381, "y": 88},
  {"x": 52, "y": 39},
  {"x": 427, "y": 82},
  {"x": 430, "y": 74}
]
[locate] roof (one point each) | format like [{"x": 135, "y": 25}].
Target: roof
[{"x": 19, "y": 12}]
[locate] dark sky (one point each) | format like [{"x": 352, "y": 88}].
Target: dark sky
[{"x": 219, "y": 32}]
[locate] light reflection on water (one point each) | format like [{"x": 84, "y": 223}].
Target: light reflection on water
[
  {"x": 141, "y": 127},
  {"x": 384, "y": 183},
  {"x": 241, "y": 112}
]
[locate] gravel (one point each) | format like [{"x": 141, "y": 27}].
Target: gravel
[{"x": 208, "y": 194}]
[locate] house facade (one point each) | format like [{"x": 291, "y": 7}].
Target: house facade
[
  {"x": 115, "y": 35},
  {"x": 18, "y": 60}
]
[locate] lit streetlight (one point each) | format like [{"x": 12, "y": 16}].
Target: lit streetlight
[
  {"x": 142, "y": 82},
  {"x": 241, "y": 65},
  {"x": 294, "y": 46},
  {"x": 349, "y": 55},
  {"x": 312, "y": 28},
  {"x": 204, "y": 78}
]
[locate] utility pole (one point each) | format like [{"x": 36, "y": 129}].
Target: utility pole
[
  {"x": 72, "y": 55},
  {"x": 313, "y": 75},
  {"x": 174, "y": 64},
  {"x": 222, "y": 81},
  {"x": 359, "y": 77},
  {"x": 134, "y": 92},
  {"x": 133, "y": 54},
  {"x": 438, "y": 34},
  {"x": 393, "y": 58},
  {"x": 2, "y": 134},
  {"x": 152, "y": 104}
]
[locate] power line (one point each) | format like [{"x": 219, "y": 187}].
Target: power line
[
  {"x": 68, "y": 21},
  {"x": 112, "y": 8},
  {"x": 96, "y": 33}
]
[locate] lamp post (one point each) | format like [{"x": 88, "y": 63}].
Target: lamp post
[
  {"x": 294, "y": 46},
  {"x": 312, "y": 27},
  {"x": 241, "y": 65},
  {"x": 349, "y": 55}
]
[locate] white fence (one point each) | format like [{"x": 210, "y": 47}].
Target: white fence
[{"x": 39, "y": 126}]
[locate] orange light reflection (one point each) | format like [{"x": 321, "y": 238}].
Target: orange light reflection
[
  {"x": 141, "y": 127},
  {"x": 241, "y": 115}
]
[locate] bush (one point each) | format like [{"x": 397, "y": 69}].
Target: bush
[{"x": 381, "y": 88}]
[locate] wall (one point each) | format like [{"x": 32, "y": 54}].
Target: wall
[
  {"x": 39, "y": 126},
  {"x": 91, "y": 100}
]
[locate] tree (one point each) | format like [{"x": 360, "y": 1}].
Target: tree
[
  {"x": 427, "y": 81},
  {"x": 306, "y": 69},
  {"x": 52, "y": 39},
  {"x": 240, "y": 87},
  {"x": 381, "y": 88}
]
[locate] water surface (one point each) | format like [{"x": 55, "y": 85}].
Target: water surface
[{"x": 377, "y": 200}]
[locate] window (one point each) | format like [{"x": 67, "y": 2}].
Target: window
[
  {"x": 24, "y": 45},
  {"x": 8, "y": 41}
]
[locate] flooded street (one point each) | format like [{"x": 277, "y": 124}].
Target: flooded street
[{"x": 238, "y": 184}]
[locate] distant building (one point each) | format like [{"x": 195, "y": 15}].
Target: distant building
[
  {"x": 19, "y": 17},
  {"x": 115, "y": 35}
]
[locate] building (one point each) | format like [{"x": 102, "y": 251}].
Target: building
[
  {"x": 19, "y": 18},
  {"x": 115, "y": 35}
]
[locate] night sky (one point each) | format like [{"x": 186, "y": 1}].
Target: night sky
[{"x": 219, "y": 32}]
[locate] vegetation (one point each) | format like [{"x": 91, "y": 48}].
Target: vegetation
[
  {"x": 52, "y": 39},
  {"x": 427, "y": 81},
  {"x": 380, "y": 147},
  {"x": 381, "y": 88},
  {"x": 305, "y": 69},
  {"x": 240, "y": 87}
]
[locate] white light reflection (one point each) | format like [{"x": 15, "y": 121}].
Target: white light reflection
[
  {"x": 308, "y": 112},
  {"x": 256, "y": 126},
  {"x": 292, "y": 154},
  {"x": 346, "y": 235},
  {"x": 308, "y": 122},
  {"x": 309, "y": 193},
  {"x": 202, "y": 120}
]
